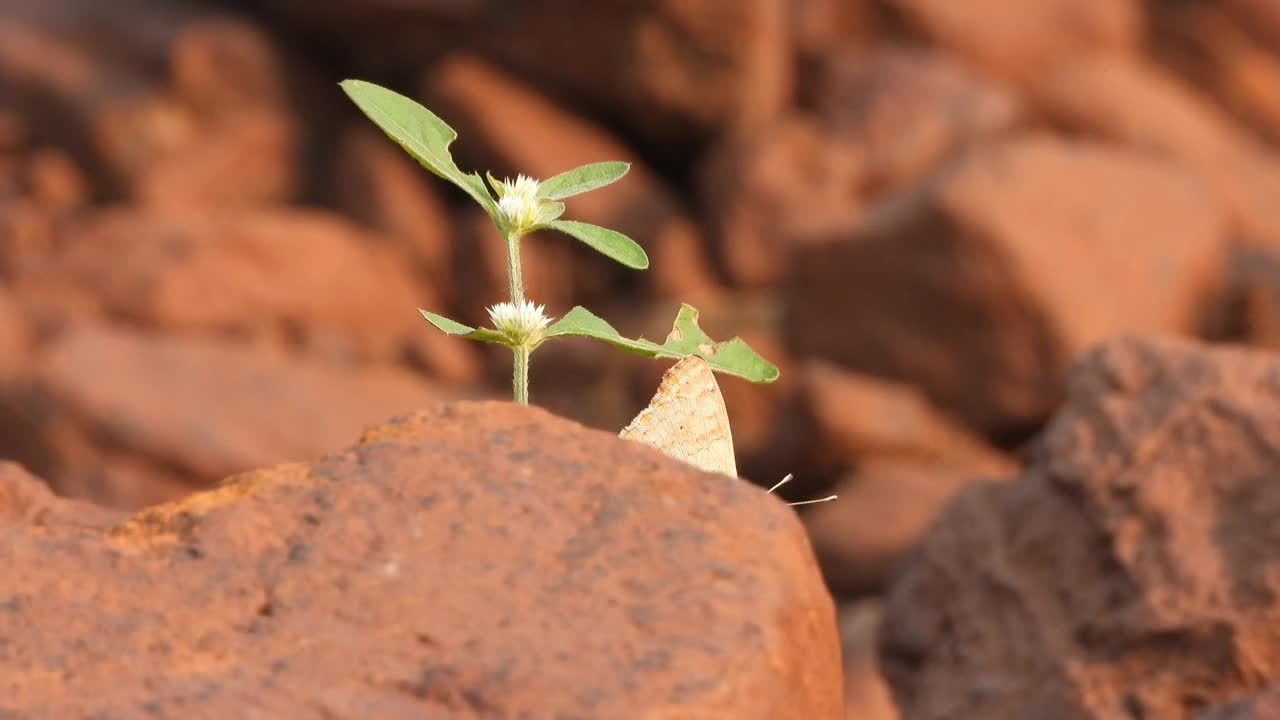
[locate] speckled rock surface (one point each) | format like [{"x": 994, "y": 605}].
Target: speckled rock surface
[
  {"x": 477, "y": 560},
  {"x": 1130, "y": 572}
]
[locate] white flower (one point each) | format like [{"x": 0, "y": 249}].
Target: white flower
[
  {"x": 522, "y": 323},
  {"x": 518, "y": 203}
]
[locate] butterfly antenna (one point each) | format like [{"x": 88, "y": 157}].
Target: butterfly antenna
[
  {"x": 787, "y": 479},
  {"x": 781, "y": 482},
  {"x": 828, "y": 498}
]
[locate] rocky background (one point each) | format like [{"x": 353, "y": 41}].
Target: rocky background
[{"x": 926, "y": 212}]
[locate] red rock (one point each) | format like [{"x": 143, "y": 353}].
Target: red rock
[
  {"x": 1262, "y": 705},
  {"x": 1248, "y": 309},
  {"x": 909, "y": 110},
  {"x": 884, "y": 119},
  {"x": 820, "y": 27},
  {"x": 1135, "y": 103},
  {"x": 25, "y": 498},
  {"x": 507, "y": 128},
  {"x": 900, "y": 459},
  {"x": 867, "y": 695},
  {"x": 16, "y": 339},
  {"x": 473, "y": 559},
  {"x": 1018, "y": 39},
  {"x": 1259, "y": 17},
  {"x": 1128, "y": 572},
  {"x": 56, "y": 183},
  {"x": 382, "y": 34},
  {"x": 306, "y": 279},
  {"x": 980, "y": 287},
  {"x": 883, "y": 509},
  {"x": 858, "y": 417},
  {"x": 222, "y": 136},
  {"x": 1216, "y": 53},
  {"x": 669, "y": 71},
  {"x": 127, "y": 419},
  {"x": 380, "y": 186},
  {"x": 776, "y": 190},
  {"x": 93, "y": 80}
]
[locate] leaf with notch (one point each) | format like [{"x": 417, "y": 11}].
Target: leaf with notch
[{"x": 732, "y": 357}]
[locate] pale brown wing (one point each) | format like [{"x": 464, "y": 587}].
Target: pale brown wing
[{"x": 687, "y": 420}]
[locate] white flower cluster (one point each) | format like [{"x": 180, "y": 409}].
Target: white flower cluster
[
  {"x": 522, "y": 323},
  {"x": 518, "y": 202}
]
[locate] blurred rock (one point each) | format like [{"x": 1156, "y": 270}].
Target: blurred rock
[
  {"x": 1262, "y": 705},
  {"x": 1129, "y": 572},
  {"x": 16, "y": 339},
  {"x": 162, "y": 103},
  {"x": 821, "y": 27},
  {"x": 1248, "y": 310},
  {"x": 1212, "y": 49},
  {"x": 382, "y": 188},
  {"x": 302, "y": 278},
  {"x": 127, "y": 419},
  {"x": 883, "y": 509},
  {"x": 379, "y": 35},
  {"x": 1017, "y": 40},
  {"x": 866, "y": 694},
  {"x": 779, "y": 189},
  {"x": 908, "y": 110},
  {"x": 668, "y": 71},
  {"x": 223, "y": 134},
  {"x": 26, "y": 499},
  {"x": 907, "y": 460},
  {"x": 884, "y": 119},
  {"x": 1260, "y": 17},
  {"x": 417, "y": 573},
  {"x": 507, "y": 128},
  {"x": 859, "y": 417},
  {"x": 981, "y": 286},
  {"x": 1135, "y": 103}
]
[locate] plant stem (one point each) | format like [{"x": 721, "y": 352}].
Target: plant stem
[
  {"x": 520, "y": 375},
  {"x": 515, "y": 283}
]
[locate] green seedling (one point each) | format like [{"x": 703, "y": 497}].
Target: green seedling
[{"x": 524, "y": 205}]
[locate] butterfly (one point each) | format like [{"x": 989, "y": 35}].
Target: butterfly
[{"x": 687, "y": 420}]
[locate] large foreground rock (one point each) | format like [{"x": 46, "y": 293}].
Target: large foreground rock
[
  {"x": 1131, "y": 572},
  {"x": 477, "y": 560}
]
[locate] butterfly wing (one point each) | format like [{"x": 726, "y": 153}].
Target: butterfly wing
[{"x": 687, "y": 419}]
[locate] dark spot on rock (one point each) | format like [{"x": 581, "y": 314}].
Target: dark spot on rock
[
  {"x": 299, "y": 552},
  {"x": 322, "y": 499}
]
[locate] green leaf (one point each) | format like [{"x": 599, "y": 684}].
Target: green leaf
[
  {"x": 548, "y": 211},
  {"x": 498, "y": 188},
  {"x": 453, "y": 327},
  {"x": 581, "y": 179},
  {"x": 732, "y": 357},
  {"x": 610, "y": 243},
  {"x": 417, "y": 130}
]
